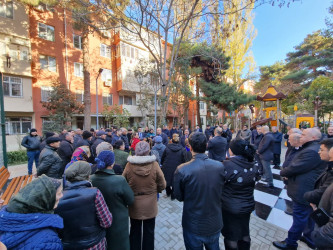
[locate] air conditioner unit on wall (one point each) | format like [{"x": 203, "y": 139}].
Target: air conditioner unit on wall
[{"x": 108, "y": 83}]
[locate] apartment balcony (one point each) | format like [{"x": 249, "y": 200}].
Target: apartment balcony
[{"x": 133, "y": 109}]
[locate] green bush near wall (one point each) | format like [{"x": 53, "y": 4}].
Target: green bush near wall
[{"x": 17, "y": 157}]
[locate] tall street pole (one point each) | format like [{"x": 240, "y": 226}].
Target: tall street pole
[
  {"x": 99, "y": 73},
  {"x": 3, "y": 124}
]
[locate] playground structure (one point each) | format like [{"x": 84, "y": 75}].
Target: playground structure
[{"x": 269, "y": 111}]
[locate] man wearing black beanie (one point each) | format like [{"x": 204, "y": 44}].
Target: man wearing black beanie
[{"x": 31, "y": 142}]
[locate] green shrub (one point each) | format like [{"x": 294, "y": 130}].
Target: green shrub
[{"x": 16, "y": 157}]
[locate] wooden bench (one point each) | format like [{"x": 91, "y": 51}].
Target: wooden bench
[{"x": 14, "y": 186}]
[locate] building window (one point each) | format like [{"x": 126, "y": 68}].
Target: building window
[
  {"x": 106, "y": 75},
  {"x": 107, "y": 99},
  {"x": 105, "y": 51},
  {"x": 24, "y": 54},
  {"x": 79, "y": 96},
  {"x": 202, "y": 121},
  {"x": 78, "y": 69},
  {"x": 46, "y": 32},
  {"x": 6, "y": 9},
  {"x": 48, "y": 62},
  {"x": 18, "y": 125},
  {"x": 13, "y": 53},
  {"x": 202, "y": 105},
  {"x": 127, "y": 100},
  {"x": 12, "y": 86},
  {"x": 77, "y": 41},
  {"x": 45, "y": 93}
]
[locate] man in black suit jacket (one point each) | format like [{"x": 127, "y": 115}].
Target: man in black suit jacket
[
  {"x": 217, "y": 146},
  {"x": 265, "y": 151},
  {"x": 184, "y": 137},
  {"x": 302, "y": 173},
  {"x": 228, "y": 133}
]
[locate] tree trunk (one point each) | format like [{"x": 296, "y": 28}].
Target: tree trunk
[
  {"x": 197, "y": 95},
  {"x": 86, "y": 83}
]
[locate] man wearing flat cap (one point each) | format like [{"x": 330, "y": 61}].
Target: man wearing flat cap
[
  {"x": 100, "y": 137},
  {"x": 50, "y": 162}
]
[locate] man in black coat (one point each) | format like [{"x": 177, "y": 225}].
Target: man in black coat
[
  {"x": 256, "y": 143},
  {"x": 302, "y": 173},
  {"x": 100, "y": 137},
  {"x": 326, "y": 178},
  {"x": 265, "y": 151},
  {"x": 108, "y": 135},
  {"x": 66, "y": 149},
  {"x": 165, "y": 139},
  {"x": 217, "y": 146},
  {"x": 208, "y": 132},
  {"x": 32, "y": 142},
  {"x": 277, "y": 146},
  {"x": 125, "y": 139},
  {"x": 228, "y": 133},
  {"x": 166, "y": 131},
  {"x": 199, "y": 184}
]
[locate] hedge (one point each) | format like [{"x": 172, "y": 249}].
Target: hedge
[{"x": 16, "y": 157}]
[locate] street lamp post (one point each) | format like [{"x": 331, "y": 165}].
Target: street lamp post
[{"x": 99, "y": 73}]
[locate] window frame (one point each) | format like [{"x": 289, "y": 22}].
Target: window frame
[
  {"x": 48, "y": 67},
  {"x": 106, "y": 96},
  {"x": 47, "y": 89},
  {"x": 80, "y": 41},
  {"x": 81, "y": 65},
  {"x": 10, "y": 89},
  {"x": 106, "y": 49},
  {"x": 5, "y": 6},
  {"x": 8, "y": 124},
  {"x": 81, "y": 93},
  {"x": 46, "y": 27}
]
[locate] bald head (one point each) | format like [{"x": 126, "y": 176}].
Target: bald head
[
  {"x": 294, "y": 130},
  {"x": 310, "y": 134}
]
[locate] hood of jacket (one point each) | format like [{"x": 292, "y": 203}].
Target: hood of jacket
[
  {"x": 143, "y": 164},
  {"x": 159, "y": 146},
  {"x": 242, "y": 162},
  {"x": 16, "y": 228},
  {"x": 175, "y": 147}
]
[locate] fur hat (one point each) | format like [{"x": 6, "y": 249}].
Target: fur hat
[
  {"x": 142, "y": 148},
  {"x": 52, "y": 139}
]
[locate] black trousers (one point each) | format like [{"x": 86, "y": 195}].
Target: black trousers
[
  {"x": 276, "y": 160},
  {"x": 260, "y": 167},
  {"x": 142, "y": 234}
]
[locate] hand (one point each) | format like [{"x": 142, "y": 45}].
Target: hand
[
  {"x": 285, "y": 178},
  {"x": 314, "y": 207}
]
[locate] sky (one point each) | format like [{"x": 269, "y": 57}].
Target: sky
[{"x": 279, "y": 30}]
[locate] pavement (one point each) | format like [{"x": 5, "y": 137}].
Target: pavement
[{"x": 168, "y": 230}]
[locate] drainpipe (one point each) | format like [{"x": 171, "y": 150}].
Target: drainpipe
[{"x": 66, "y": 56}]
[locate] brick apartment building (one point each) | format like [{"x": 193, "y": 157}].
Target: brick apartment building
[{"x": 39, "y": 45}]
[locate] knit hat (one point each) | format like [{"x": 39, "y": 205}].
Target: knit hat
[
  {"x": 33, "y": 130},
  {"x": 49, "y": 134},
  {"x": 52, "y": 139},
  {"x": 78, "y": 171},
  {"x": 86, "y": 134},
  {"x": 105, "y": 159},
  {"x": 100, "y": 133},
  {"x": 239, "y": 146},
  {"x": 158, "y": 139},
  {"x": 142, "y": 148},
  {"x": 103, "y": 146}
]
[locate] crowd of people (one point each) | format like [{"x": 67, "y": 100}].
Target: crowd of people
[{"x": 90, "y": 184}]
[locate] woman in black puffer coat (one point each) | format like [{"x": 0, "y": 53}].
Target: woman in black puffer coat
[
  {"x": 237, "y": 196},
  {"x": 173, "y": 155}
]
